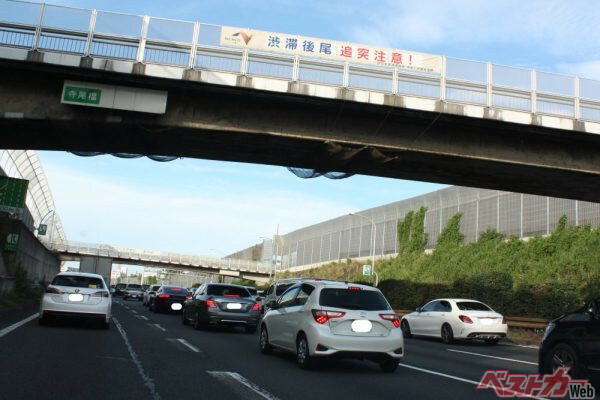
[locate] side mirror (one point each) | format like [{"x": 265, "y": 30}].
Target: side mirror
[
  {"x": 272, "y": 304},
  {"x": 418, "y": 309}
]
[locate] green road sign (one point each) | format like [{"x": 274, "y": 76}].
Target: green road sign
[
  {"x": 81, "y": 95},
  {"x": 12, "y": 194},
  {"x": 366, "y": 270},
  {"x": 11, "y": 242},
  {"x": 42, "y": 229}
]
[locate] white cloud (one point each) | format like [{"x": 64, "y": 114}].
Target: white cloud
[{"x": 95, "y": 208}]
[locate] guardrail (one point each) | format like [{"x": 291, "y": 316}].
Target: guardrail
[
  {"x": 513, "y": 322},
  {"x": 157, "y": 257},
  {"x": 194, "y": 45}
]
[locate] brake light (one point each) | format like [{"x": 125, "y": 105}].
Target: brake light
[
  {"x": 231, "y": 295},
  {"x": 256, "y": 307},
  {"x": 391, "y": 317},
  {"x": 164, "y": 296},
  {"x": 465, "y": 319},
  {"x": 322, "y": 316},
  {"x": 101, "y": 293},
  {"x": 50, "y": 289},
  {"x": 188, "y": 297},
  {"x": 354, "y": 288},
  {"x": 211, "y": 304}
]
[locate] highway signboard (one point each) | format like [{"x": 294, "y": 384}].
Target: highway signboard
[
  {"x": 12, "y": 194},
  {"x": 366, "y": 270}
]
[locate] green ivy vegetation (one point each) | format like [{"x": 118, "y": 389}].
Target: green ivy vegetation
[{"x": 540, "y": 277}]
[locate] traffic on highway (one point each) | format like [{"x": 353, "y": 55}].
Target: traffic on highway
[{"x": 315, "y": 338}]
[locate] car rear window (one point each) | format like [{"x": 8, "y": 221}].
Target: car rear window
[
  {"x": 120, "y": 286},
  {"x": 154, "y": 288},
  {"x": 282, "y": 288},
  {"x": 175, "y": 290},
  {"x": 353, "y": 299},
  {"x": 227, "y": 291},
  {"x": 472, "y": 306},
  {"x": 78, "y": 281},
  {"x": 134, "y": 287},
  {"x": 253, "y": 292}
]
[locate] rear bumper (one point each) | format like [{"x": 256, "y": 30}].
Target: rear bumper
[
  {"x": 224, "y": 318},
  {"x": 70, "y": 314},
  {"x": 477, "y": 331},
  {"x": 323, "y": 343},
  {"x": 48, "y": 307}
]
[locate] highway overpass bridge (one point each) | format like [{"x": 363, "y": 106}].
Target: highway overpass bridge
[
  {"x": 99, "y": 258},
  {"x": 93, "y": 81}
]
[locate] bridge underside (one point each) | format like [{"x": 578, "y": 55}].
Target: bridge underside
[{"x": 247, "y": 125}]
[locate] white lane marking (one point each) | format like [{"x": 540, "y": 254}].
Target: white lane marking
[
  {"x": 456, "y": 378},
  {"x": 520, "y": 345},
  {"x": 143, "y": 317},
  {"x": 18, "y": 324},
  {"x": 186, "y": 344},
  {"x": 497, "y": 358},
  {"x": 148, "y": 382},
  {"x": 160, "y": 327},
  {"x": 133, "y": 311},
  {"x": 243, "y": 381}
]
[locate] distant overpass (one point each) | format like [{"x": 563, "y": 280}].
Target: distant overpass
[
  {"x": 466, "y": 123},
  {"x": 101, "y": 257}
]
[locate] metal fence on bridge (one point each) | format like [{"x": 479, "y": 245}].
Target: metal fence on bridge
[{"x": 195, "y": 45}]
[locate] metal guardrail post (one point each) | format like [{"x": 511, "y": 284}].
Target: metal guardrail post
[
  {"x": 395, "y": 81},
  {"x": 192, "y": 60},
  {"x": 577, "y": 109},
  {"x": 38, "y": 28},
  {"x": 346, "y": 75},
  {"x": 489, "y": 84},
  {"x": 90, "y": 37},
  {"x": 533, "y": 91},
  {"x": 443, "y": 80},
  {"x": 244, "y": 63},
  {"x": 143, "y": 34},
  {"x": 296, "y": 69}
]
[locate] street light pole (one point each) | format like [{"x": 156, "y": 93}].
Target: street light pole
[{"x": 374, "y": 231}]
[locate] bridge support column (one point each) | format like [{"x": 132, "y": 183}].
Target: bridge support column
[{"x": 96, "y": 265}]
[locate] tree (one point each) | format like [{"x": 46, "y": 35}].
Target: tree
[{"x": 151, "y": 280}]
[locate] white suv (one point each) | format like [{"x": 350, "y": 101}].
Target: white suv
[{"x": 324, "y": 318}]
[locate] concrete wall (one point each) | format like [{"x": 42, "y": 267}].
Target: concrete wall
[{"x": 31, "y": 255}]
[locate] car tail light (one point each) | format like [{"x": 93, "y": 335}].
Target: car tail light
[
  {"x": 354, "y": 288},
  {"x": 188, "y": 297},
  {"x": 164, "y": 296},
  {"x": 322, "y": 316},
  {"x": 211, "y": 304},
  {"x": 465, "y": 319},
  {"x": 54, "y": 290},
  {"x": 256, "y": 307},
  {"x": 391, "y": 317},
  {"x": 231, "y": 295},
  {"x": 102, "y": 293}
]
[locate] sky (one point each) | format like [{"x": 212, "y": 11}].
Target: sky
[{"x": 215, "y": 208}]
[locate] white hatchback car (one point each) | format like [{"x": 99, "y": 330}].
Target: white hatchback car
[
  {"x": 451, "y": 319},
  {"x": 333, "y": 319},
  {"x": 76, "y": 294}
]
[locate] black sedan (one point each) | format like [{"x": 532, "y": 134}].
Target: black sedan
[
  {"x": 573, "y": 340},
  {"x": 222, "y": 305},
  {"x": 169, "y": 298}
]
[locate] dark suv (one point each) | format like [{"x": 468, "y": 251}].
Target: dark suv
[{"x": 573, "y": 340}]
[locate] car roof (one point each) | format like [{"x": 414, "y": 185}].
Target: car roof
[
  {"x": 458, "y": 300},
  {"x": 86, "y": 274}
]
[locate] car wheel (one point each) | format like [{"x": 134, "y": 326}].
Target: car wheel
[
  {"x": 184, "y": 320},
  {"x": 263, "y": 342},
  {"x": 303, "y": 357},
  {"x": 198, "y": 325},
  {"x": 405, "y": 329},
  {"x": 447, "y": 334},
  {"x": 562, "y": 355},
  {"x": 492, "y": 341},
  {"x": 106, "y": 325},
  {"x": 250, "y": 328},
  {"x": 389, "y": 365}
]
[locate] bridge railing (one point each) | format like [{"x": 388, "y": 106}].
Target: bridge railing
[
  {"x": 195, "y": 45},
  {"x": 146, "y": 256}
]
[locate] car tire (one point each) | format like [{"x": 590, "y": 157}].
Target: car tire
[
  {"x": 198, "y": 325},
  {"x": 250, "y": 328},
  {"x": 447, "y": 334},
  {"x": 492, "y": 342},
  {"x": 568, "y": 357},
  {"x": 303, "y": 358},
  {"x": 105, "y": 325},
  {"x": 388, "y": 366},
  {"x": 405, "y": 329},
  {"x": 263, "y": 341},
  {"x": 184, "y": 320}
]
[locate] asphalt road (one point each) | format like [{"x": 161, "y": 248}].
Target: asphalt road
[{"x": 153, "y": 356}]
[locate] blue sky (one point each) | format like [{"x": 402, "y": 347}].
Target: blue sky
[{"x": 213, "y": 208}]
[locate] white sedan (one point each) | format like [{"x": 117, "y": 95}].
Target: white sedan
[
  {"x": 76, "y": 294},
  {"x": 451, "y": 319}
]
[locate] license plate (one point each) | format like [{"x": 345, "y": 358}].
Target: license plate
[
  {"x": 486, "y": 321},
  {"x": 234, "y": 306},
  {"x": 75, "y": 297},
  {"x": 176, "y": 306},
  {"x": 361, "y": 326}
]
